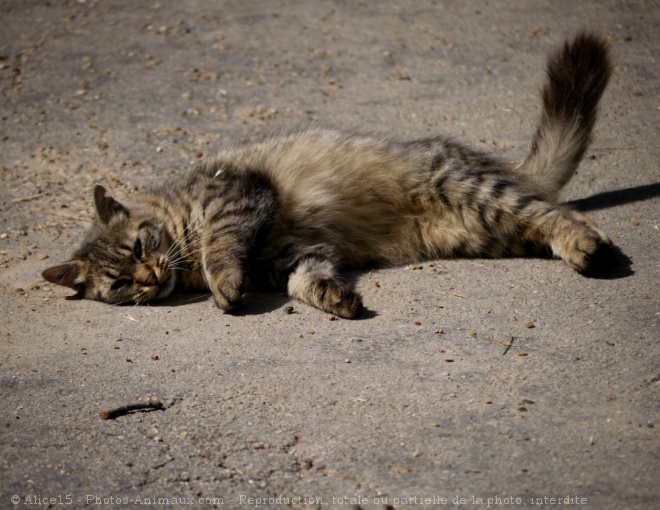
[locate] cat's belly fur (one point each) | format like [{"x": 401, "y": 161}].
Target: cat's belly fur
[{"x": 371, "y": 202}]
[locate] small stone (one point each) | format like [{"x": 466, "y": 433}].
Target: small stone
[
  {"x": 258, "y": 446},
  {"x": 155, "y": 357},
  {"x": 42, "y": 256},
  {"x": 439, "y": 331},
  {"x": 529, "y": 324},
  {"x": 635, "y": 222},
  {"x": 522, "y": 354},
  {"x": 33, "y": 286},
  {"x": 471, "y": 333}
]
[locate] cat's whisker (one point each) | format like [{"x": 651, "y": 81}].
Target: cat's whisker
[
  {"x": 123, "y": 302},
  {"x": 181, "y": 254},
  {"x": 190, "y": 237},
  {"x": 186, "y": 256},
  {"x": 191, "y": 300}
]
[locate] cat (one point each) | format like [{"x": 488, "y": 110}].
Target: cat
[{"x": 292, "y": 211}]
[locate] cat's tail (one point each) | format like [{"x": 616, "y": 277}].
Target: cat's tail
[{"x": 577, "y": 74}]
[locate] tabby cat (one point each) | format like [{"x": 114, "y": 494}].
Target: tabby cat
[{"x": 292, "y": 211}]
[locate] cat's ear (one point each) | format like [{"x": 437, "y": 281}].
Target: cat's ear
[
  {"x": 106, "y": 206},
  {"x": 67, "y": 274}
]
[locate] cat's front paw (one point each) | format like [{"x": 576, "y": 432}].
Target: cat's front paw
[
  {"x": 339, "y": 300},
  {"x": 227, "y": 290},
  {"x": 350, "y": 306}
]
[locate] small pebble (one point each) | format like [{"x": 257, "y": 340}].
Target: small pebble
[
  {"x": 529, "y": 324},
  {"x": 42, "y": 256},
  {"x": 634, "y": 222}
]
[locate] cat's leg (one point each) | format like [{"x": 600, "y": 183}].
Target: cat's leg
[
  {"x": 314, "y": 281},
  {"x": 223, "y": 260},
  {"x": 534, "y": 225},
  {"x": 239, "y": 212},
  {"x": 488, "y": 213}
]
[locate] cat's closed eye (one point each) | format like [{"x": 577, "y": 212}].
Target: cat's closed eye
[{"x": 137, "y": 249}]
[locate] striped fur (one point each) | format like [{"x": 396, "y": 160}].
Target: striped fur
[{"x": 293, "y": 211}]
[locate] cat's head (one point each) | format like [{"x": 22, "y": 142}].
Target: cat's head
[{"x": 124, "y": 258}]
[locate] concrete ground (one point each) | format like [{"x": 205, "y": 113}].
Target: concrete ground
[{"x": 467, "y": 381}]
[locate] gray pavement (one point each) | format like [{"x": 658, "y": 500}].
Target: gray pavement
[{"x": 469, "y": 384}]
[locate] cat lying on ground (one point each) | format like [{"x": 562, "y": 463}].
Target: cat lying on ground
[{"x": 292, "y": 211}]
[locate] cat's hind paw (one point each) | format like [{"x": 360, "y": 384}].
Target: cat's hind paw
[{"x": 584, "y": 247}]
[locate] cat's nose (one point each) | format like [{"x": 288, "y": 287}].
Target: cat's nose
[{"x": 152, "y": 279}]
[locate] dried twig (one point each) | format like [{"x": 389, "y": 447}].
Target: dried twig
[
  {"x": 123, "y": 410},
  {"x": 508, "y": 346},
  {"x": 457, "y": 295},
  {"x": 27, "y": 199}
]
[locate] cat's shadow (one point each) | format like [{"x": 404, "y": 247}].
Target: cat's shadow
[
  {"x": 253, "y": 303},
  {"x": 617, "y": 197}
]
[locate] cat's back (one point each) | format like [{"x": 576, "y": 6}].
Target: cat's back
[{"x": 323, "y": 166}]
